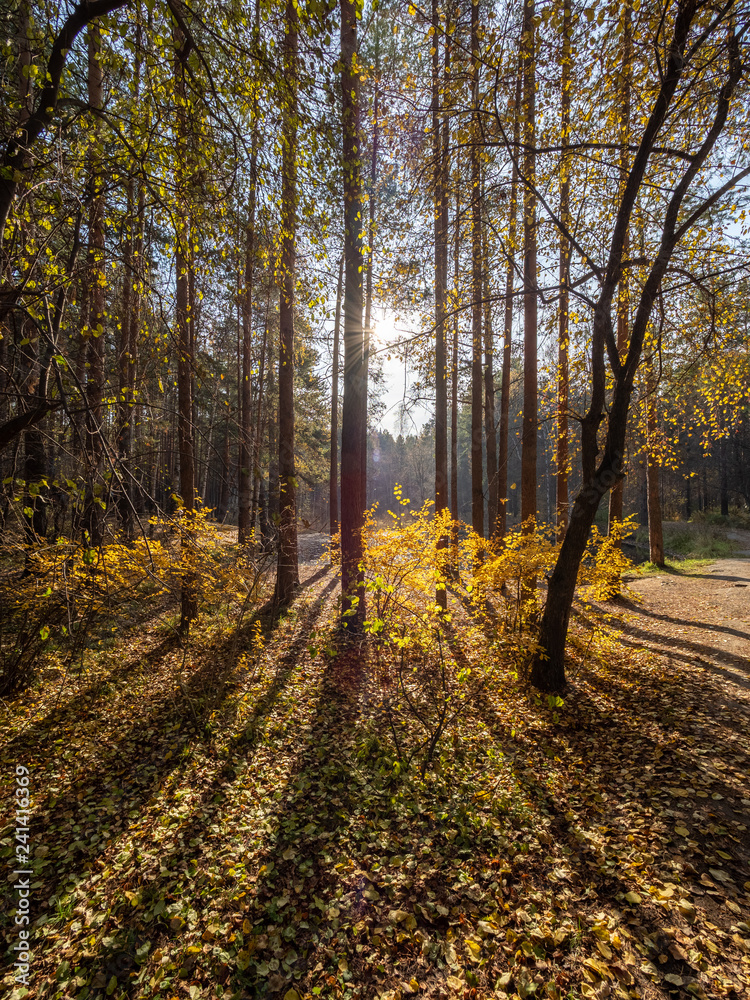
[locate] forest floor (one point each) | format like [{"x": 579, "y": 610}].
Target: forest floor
[{"x": 230, "y": 819}]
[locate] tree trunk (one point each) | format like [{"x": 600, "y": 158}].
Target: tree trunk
[
  {"x": 245, "y": 470},
  {"x": 287, "y": 572},
  {"x": 477, "y": 496},
  {"x": 260, "y": 417},
  {"x": 372, "y": 202},
  {"x": 440, "y": 210},
  {"x": 504, "y": 429},
  {"x": 184, "y": 321},
  {"x": 352, "y": 430},
  {"x": 245, "y": 473},
  {"x": 92, "y": 519},
  {"x": 562, "y": 458},
  {"x": 223, "y": 505},
  {"x": 623, "y": 298},
  {"x": 127, "y": 353},
  {"x": 490, "y": 434},
  {"x": 333, "y": 476},
  {"x": 530, "y": 420},
  {"x": 454, "y": 377},
  {"x": 655, "y": 531}
]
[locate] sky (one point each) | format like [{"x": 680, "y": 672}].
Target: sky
[{"x": 388, "y": 330}]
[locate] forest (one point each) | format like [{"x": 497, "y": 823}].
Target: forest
[{"x": 375, "y": 499}]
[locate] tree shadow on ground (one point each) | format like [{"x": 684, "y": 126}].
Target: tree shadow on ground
[
  {"x": 638, "y": 609},
  {"x": 107, "y": 795}
]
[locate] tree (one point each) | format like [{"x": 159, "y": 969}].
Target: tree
[
  {"x": 563, "y": 339},
  {"x": 440, "y": 209},
  {"x": 616, "y": 495},
  {"x": 477, "y": 495},
  {"x": 287, "y": 573},
  {"x": 694, "y": 31},
  {"x": 17, "y": 154},
  {"x": 333, "y": 477},
  {"x": 503, "y": 430},
  {"x": 352, "y": 417},
  {"x": 184, "y": 320},
  {"x": 530, "y": 387}
]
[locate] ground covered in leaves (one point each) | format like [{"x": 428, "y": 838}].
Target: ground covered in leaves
[{"x": 231, "y": 819}]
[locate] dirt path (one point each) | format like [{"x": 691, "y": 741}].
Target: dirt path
[{"x": 700, "y": 619}]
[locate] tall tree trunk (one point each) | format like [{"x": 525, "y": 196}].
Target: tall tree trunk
[
  {"x": 563, "y": 340},
  {"x": 333, "y": 477},
  {"x": 723, "y": 472},
  {"x": 287, "y": 572},
  {"x": 440, "y": 212},
  {"x": 477, "y": 496},
  {"x": 129, "y": 325},
  {"x": 245, "y": 464},
  {"x": 372, "y": 204},
  {"x": 653, "y": 469},
  {"x": 530, "y": 409},
  {"x": 259, "y": 425},
  {"x": 352, "y": 430},
  {"x": 623, "y": 298},
  {"x": 223, "y": 504},
  {"x": 490, "y": 434},
  {"x": 455, "y": 376},
  {"x": 35, "y": 453},
  {"x": 504, "y": 429},
  {"x": 245, "y": 476},
  {"x": 97, "y": 317},
  {"x": 184, "y": 321}
]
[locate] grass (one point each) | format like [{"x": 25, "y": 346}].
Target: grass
[
  {"x": 679, "y": 567},
  {"x": 691, "y": 541}
]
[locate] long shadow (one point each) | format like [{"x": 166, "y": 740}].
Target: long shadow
[
  {"x": 133, "y": 765},
  {"x": 67, "y": 715},
  {"x": 690, "y": 623},
  {"x": 572, "y": 805},
  {"x": 699, "y": 649},
  {"x": 317, "y": 889},
  {"x": 724, "y": 673},
  {"x": 207, "y": 811}
]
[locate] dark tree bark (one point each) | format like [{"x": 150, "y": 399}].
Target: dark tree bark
[
  {"x": 352, "y": 430},
  {"x": 184, "y": 337},
  {"x": 455, "y": 377},
  {"x": 623, "y": 304},
  {"x": 245, "y": 464},
  {"x": 723, "y": 473},
  {"x": 562, "y": 458},
  {"x": 653, "y": 470},
  {"x": 127, "y": 352},
  {"x": 245, "y": 477},
  {"x": 530, "y": 391},
  {"x": 92, "y": 517},
  {"x": 287, "y": 572},
  {"x": 490, "y": 434},
  {"x": 501, "y": 524},
  {"x": 333, "y": 476},
  {"x": 477, "y": 495},
  {"x": 371, "y": 206},
  {"x": 259, "y": 423},
  {"x": 440, "y": 211},
  {"x": 548, "y": 667}
]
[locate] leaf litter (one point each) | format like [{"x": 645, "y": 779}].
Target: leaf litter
[{"x": 213, "y": 827}]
